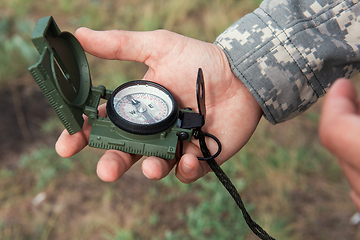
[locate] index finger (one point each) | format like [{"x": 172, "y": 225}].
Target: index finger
[{"x": 123, "y": 45}]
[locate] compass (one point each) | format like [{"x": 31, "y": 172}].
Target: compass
[
  {"x": 142, "y": 107},
  {"x": 142, "y": 116}
]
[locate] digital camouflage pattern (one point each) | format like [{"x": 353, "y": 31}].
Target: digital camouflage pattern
[{"x": 289, "y": 52}]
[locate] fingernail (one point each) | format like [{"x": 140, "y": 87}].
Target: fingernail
[
  {"x": 186, "y": 168},
  {"x": 145, "y": 174},
  {"x": 150, "y": 169}
]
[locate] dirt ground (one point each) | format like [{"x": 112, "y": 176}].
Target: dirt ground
[{"x": 24, "y": 109}]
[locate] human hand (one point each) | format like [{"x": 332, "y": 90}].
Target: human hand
[
  {"x": 173, "y": 61},
  {"x": 340, "y": 130}
]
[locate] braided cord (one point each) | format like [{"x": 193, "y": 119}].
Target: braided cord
[{"x": 226, "y": 182}]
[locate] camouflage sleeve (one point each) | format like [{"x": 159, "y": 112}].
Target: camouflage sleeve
[{"x": 289, "y": 52}]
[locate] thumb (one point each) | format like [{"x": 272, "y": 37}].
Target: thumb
[
  {"x": 340, "y": 123},
  {"x": 341, "y": 99},
  {"x": 339, "y": 102},
  {"x": 125, "y": 45}
]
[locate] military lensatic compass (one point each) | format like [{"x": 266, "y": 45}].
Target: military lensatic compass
[{"x": 142, "y": 116}]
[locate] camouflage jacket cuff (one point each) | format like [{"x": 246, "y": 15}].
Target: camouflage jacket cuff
[{"x": 288, "y": 55}]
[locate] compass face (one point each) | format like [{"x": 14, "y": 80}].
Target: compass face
[{"x": 142, "y": 107}]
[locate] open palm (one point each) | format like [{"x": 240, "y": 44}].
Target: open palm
[{"x": 173, "y": 61}]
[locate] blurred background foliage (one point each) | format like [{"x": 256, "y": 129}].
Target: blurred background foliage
[{"x": 290, "y": 184}]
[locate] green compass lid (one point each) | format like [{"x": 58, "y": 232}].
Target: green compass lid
[{"x": 62, "y": 72}]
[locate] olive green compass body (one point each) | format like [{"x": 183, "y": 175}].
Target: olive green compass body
[{"x": 142, "y": 116}]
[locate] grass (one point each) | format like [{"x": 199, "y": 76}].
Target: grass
[{"x": 291, "y": 186}]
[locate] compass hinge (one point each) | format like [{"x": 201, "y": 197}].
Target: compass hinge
[{"x": 93, "y": 102}]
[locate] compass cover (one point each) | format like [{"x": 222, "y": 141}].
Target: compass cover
[{"x": 62, "y": 72}]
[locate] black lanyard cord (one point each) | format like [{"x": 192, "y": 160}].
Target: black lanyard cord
[{"x": 226, "y": 182}]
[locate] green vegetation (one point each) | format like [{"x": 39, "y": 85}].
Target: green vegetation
[
  {"x": 45, "y": 165},
  {"x": 291, "y": 186},
  {"x": 16, "y": 51}
]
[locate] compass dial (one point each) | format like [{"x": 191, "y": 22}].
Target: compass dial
[{"x": 142, "y": 107}]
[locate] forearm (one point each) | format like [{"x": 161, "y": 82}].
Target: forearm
[{"x": 288, "y": 54}]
